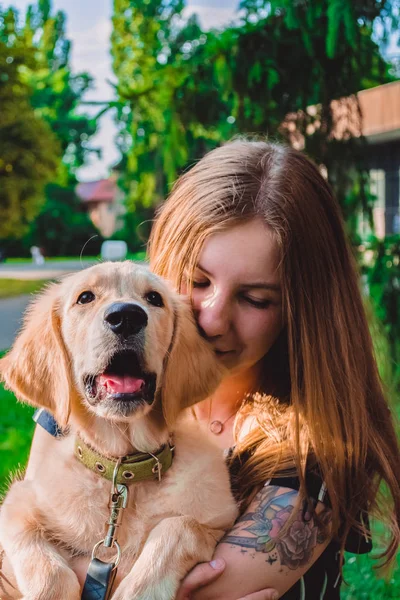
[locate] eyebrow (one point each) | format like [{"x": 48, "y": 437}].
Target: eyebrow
[{"x": 275, "y": 287}]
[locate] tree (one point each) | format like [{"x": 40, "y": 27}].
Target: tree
[
  {"x": 49, "y": 134},
  {"x": 57, "y": 92},
  {"x": 29, "y": 151},
  {"x": 183, "y": 91},
  {"x": 334, "y": 57},
  {"x": 151, "y": 136}
]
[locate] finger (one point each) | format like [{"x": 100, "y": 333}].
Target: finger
[
  {"x": 268, "y": 594},
  {"x": 200, "y": 576}
]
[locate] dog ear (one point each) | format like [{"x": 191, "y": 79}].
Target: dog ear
[
  {"x": 36, "y": 368},
  {"x": 192, "y": 371}
]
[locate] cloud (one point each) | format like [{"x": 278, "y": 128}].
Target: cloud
[{"x": 91, "y": 52}]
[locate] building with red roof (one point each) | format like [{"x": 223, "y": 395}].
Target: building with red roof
[{"x": 103, "y": 201}]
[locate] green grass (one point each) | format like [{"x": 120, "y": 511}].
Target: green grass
[
  {"x": 17, "y": 261},
  {"x": 137, "y": 255},
  {"x": 131, "y": 256},
  {"x": 15, "y": 287},
  {"x": 16, "y": 429}
]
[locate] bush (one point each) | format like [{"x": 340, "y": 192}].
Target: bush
[{"x": 382, "y": 271}]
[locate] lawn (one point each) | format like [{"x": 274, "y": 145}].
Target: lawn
[
  {"x": 18, "y": 261},
  {"x": 15, "y": 287},
  {"x": 16, "y": 429},
  {"x": 130, "y": 256}
]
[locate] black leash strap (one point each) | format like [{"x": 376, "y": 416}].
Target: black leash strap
[
  {"x": 101, "y": 575},
  {"x": 99, "y": 580}
]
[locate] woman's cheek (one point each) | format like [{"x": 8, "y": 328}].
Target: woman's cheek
[{"x": 263, "y": 330}]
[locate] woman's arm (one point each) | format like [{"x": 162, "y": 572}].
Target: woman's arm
[
  {"x": 256, "y": 558},
  {"x": 205, "y": 573}
]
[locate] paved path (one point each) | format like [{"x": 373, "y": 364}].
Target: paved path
[
  {"x": 50, "y": 269},
  {"x": 11, "y": 311}
]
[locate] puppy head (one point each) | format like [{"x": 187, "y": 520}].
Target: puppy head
[{"x": 112, "y": 336}]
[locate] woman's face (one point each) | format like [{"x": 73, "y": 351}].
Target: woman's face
[{"x": 236, "y": 297}]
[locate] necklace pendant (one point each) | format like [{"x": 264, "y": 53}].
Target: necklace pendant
[{"x": 216, "y": 427}]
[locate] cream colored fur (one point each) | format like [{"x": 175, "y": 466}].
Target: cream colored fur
[{"x": 168, "y": 527}]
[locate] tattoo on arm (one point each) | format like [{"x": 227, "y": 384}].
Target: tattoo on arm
[{"x": 261, "y": 530}]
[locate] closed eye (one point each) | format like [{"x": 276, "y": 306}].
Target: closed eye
[
  {"x": 262, "y": 304},
  {"x": 257, "y": 303},
  {"x": 201, "y": 284}
]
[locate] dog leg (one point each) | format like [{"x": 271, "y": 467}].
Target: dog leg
[
  {"x": 173, "y": 547},
  {"x": 40, "y": 571}
]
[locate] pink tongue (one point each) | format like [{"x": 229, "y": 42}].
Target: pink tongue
[{"x": 120, "y": 385}]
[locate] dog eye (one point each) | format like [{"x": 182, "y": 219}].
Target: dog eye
[
  {"x": 85, "y": 298},
  {"x": 155, "y": 299}
]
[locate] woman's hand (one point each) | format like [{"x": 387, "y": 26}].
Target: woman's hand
[{"x": 206, "y": 573}]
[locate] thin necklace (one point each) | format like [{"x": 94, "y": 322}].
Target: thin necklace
[{"x": 216, "y": 426}]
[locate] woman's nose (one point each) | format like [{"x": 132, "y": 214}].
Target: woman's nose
[{"x": 213, "y": 315}]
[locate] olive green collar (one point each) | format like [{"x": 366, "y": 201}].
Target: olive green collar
[{"x": 131, "y": 468}]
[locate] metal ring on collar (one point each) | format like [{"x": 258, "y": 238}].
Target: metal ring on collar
[
  {"x": 118, "y": 547},
  {"x": 157, "y": 467},
  {"x": 115, "y": 475}
]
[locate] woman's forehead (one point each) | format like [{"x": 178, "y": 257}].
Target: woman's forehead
[{"x": 247, "y": 251}]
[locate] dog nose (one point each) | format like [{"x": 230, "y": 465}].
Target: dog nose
[{"x": 125, "y": 319}]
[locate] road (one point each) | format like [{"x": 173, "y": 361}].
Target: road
[{"x": 50, "y": 269}]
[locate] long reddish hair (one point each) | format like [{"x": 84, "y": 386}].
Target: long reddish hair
[{"x": 323, "y": 401}]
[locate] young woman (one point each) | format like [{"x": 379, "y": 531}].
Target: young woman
[{"x": 253, "y": 234}]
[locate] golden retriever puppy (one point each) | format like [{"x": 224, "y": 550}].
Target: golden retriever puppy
[{"x": 114, "y": 354}]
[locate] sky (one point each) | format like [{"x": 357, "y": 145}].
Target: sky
[{"x": 89, "y": 29}]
